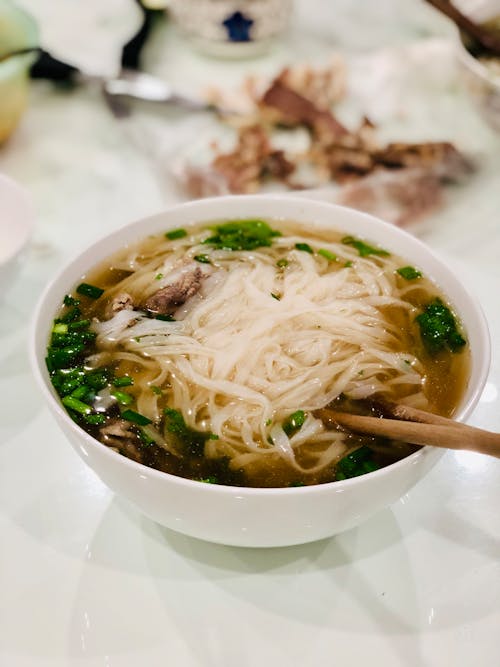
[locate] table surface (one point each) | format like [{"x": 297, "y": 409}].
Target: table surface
[{"x": 85, "y": 578}]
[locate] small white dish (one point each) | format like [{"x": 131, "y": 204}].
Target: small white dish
[
  {"x": 16, "y": 225},
  {"x": 259, "y": 517}
]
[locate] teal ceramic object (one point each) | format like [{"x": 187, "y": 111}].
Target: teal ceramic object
[{"x": 17, "y": 30}]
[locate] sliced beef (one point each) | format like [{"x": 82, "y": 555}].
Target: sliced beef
[
  {"x": 119, "y": 434},
  {"x": 295, "y": 109},
  {"x": 252, "y": 161},
  {"x": 167, "y": 299},
  {"x": 121, "y": 301},
  {"x": 442, "y": 156}
]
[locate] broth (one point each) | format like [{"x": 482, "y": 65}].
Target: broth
[{"x": 205, "y": 352}]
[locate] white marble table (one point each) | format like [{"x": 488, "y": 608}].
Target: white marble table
[{"x": 85, "y": 579}]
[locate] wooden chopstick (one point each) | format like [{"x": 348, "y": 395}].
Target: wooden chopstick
[
  {"x": 484, "y": 37},
  {"x": 417, "y": 427}
]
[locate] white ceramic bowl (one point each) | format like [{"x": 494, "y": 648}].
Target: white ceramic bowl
[
  {"x": 16, "y": 225},
  {"x": 481, "y": 81},
  {"x": 249, "y": 516}
]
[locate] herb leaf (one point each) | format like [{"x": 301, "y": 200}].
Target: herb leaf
[
  {"x": 364, "y": 249},
  {"x": 242, "y": 235},
  {"x": 438, "y": 328}
]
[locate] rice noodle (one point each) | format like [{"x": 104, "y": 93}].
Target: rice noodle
[{"x": 257, "y": 343}]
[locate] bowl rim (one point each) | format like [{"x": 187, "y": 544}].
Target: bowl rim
[{"x": 39, "y": 370}]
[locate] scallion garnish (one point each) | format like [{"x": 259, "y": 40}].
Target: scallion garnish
[
  {"x": 305, "y": 247},
  {"x": 293, "y": 423},
  {"x": 364, "y": 249},
  {"x": 203, "y": 259},
  {"x": 95, "y": 419},
  {"x": 242, "y": 235},
  {"x": 122, "y": 397},
  {"x": 70, "y": 301},
  {"x": 409, "y": 273},
  {"x": 76, "y": 405},
  {"x": 123, "y": 381},
  {"x": 135, "y": 417},
  {"x": 176, "y": 234},
  {"x": 327, "y": 255},
  {"x": 92, "y": 291}
]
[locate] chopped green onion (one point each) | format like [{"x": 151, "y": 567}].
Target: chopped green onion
[
  {"x": 176, "y": 234},
  {"x": 122, "y": 397},
  {"x": 123, "y": 381},
  {"x": 294, "y": 422},
  {"x": 358, "y": 462},
  {"x": 81, "y": 392},
  {"x": 76, "y": 405},
  {"x": 213, "y": 436},
  {"x": 80, "y": 324},
  {"x": 193, "y": 441},
  {"x": 165, "y": 318},
  {"x": 242, "y": 235},
  {"x": 70, "y": 315},
  {"x": 438, "y": 328},
  {"x": 297, "y": 483},
  {"x": 281, "y": 263},
  {"x": 60, "y": 328},
  {"x": 91, "y": 291},
  {"x": 146, "y": 439},
  {"x": 363, "y": 248},
  {"x": 203, "y": 259},
  {"x": 70, "y": 301},
  {"x": 156, "y": 390},
  {"x": 63, "y": 357},
  {"x": 95, "y": 420},
  {"x": 305, "y": 247},
  {"x": 135, "y": 417},
  {"x": 211, "y": 479},
  {"x": 97, "y": 379},
  {"x": 409, "y": 273},
  {"x": 327, "y": 255},
  {"x": 159, "y": 276}
]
